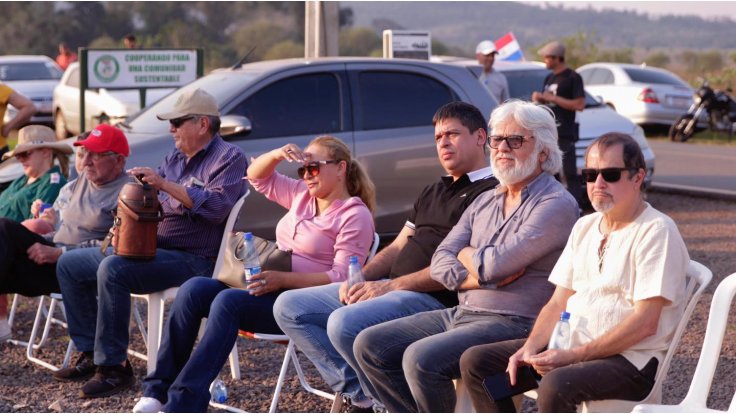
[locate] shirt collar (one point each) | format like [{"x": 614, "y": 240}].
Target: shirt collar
[
  {"x": 471, "y": 176},
  {"x": 204, "y": 149}
]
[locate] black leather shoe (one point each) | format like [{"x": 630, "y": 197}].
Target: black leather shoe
[
  {"x": 109, "y": 381},
  {"x": 83, "y": 368}
]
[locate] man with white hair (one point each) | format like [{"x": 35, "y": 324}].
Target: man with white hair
[
  {"x": 493, "y": 80},
  {"x": 625, "y": 301},
  {"x": 497, "y": 257}
]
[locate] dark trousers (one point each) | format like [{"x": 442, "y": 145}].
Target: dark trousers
[
  {"x": 18, "y": 273},
  {"x": 562, "y": 389},
  {"x": 570, "y": 168}
]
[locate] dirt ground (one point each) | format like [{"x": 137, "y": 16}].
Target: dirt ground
[{"x": 708, "y": 227}]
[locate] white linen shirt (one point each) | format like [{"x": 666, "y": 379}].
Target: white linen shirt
[{"x": 645, "y": 259}]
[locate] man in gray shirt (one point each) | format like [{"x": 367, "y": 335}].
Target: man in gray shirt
[
  {"x": 28, "y": 260},
  {"x": 498, "y": 257},
  {"x": 493, "y": 80}
]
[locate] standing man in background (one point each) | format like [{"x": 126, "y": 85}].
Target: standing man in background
[
  {"x": 493, "y": 80},
  {"x": 65, "y": 57},
  {"x": 25, "y": 108},
  {"x": 564, "y": 95}
]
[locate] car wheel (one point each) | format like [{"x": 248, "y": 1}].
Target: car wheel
[{"x": 60, "y": 126}]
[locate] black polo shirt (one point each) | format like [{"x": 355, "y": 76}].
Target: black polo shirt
[
  {"x": 436, "y": 211},
  {"x": 567, "y": 84}
]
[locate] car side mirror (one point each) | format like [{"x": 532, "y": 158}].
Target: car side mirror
[{"x": 231, "y": 125}]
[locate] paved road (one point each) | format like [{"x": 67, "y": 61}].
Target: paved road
[{"x": 688, "y": 166}]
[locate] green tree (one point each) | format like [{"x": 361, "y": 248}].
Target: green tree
[
  {"x": 658, "y": 59},
  {"x": 285, "y": 49},
  {"x": 358, "y": 41},
  {"x": 262, "y": 35}
]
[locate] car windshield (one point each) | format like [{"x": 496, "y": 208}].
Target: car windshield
[
  {"x": 224, "y": 86},
  {"x": 653, "y": 76},
  {"x": 523, "y": 82},
  {"x": 25, "y": 71}
]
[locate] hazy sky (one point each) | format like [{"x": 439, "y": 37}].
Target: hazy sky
[{"x": 705, "y": 9}]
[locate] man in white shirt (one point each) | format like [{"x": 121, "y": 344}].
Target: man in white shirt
[
  {"x": 621, "y": 277},
  {"x": 493, "y": 80}
]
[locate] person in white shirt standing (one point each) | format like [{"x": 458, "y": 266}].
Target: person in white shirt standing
[
  {"x": 493, "y": 80},
  {"x": 622, "y": 279}
]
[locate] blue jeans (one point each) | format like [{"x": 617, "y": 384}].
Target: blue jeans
[
  {"x": 324, "y": 329},
  {"x": 412, "y": 361},
  {"x": 85, "y": 274},
  {"x": 182, "y": 377}
]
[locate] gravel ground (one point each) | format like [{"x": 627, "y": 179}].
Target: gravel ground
[{"x": 709, "y": 229}]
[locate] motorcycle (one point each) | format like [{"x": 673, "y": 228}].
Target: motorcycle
[{"x": 719, "y": 106}]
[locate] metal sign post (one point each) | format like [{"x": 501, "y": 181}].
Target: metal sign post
[{"x": 140, "y": 69}]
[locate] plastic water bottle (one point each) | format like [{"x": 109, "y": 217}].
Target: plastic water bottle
[
  {"x": 218, "y": 391},
  {"x": 355, "y": 273},
  {"x": 560, "y": 338},
  {"x": 251, "y": 265}
]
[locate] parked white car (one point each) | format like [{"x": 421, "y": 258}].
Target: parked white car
[
  {"x": 645, "y": 95},
  {"x": 102, "y": 105},
  {"x": 596, "y": 120},
  {"x": 34, "y": 77}
]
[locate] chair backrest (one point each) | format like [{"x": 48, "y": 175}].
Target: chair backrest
[
  {"x": 374, "y": 247},
  {"x": 697, "y": 279},
  {"x": 229, "y": 226},
  {"x": 717, "y": 322}
]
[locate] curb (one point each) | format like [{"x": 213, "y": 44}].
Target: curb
[{"x": 693, "y": 191}]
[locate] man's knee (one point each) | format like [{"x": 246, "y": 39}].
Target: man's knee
[
  {"x": 285, "y": 308},
  {"x": 112, "y": 270},
  {"x": 556, "y": 387},
  {"x": 343, "y": 326},
  {"x": 472, "y": 359}
]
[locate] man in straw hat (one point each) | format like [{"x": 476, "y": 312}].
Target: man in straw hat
[
  {"x": 28, "y": 260},
  {"x": 198, "y": 184}
]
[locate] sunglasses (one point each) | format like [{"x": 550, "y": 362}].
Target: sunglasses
[
  {"x": 513, "y": 141},
  {"x": 610, "y": 175},
  {"x": 23, "y": 155},
  {"x": 178, "y": 122},
  {"x": 313, "y": 168}
]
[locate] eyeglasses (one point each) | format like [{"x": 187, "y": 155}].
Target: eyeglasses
[
  {"x": 95, "y": 156},
  {"x": 513, "y": 141},
  {"x": 178, "y": 122},
  {"x": 610, "y": 175},
  {"x": 313, "y": 167},
  {"x": 23, "y": 155}
]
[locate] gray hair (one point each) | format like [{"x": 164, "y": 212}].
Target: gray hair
[{"x": 535, "y": 118}]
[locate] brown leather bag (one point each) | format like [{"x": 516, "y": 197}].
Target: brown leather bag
[{"x": 138, "y": 215}]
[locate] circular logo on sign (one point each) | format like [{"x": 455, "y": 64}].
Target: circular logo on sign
[{"x": 106, "y": 68}]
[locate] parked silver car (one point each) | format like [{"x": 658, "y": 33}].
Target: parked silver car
[
  {"x": 382, "y": 108},
  {"x": 645, "y": 95},
  {"x": 33, "y": 76},
  {"x": 101, "y": 105}
]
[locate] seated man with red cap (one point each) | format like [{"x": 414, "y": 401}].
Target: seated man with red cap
[{"x": 28, "y": 260}]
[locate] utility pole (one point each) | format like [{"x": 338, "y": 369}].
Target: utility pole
[{"x": 321, "y": 28}]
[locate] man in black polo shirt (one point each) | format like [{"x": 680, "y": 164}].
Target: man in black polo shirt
[
  {"x": 398, "y": 285},
  {"x": 564, "y": 94}
]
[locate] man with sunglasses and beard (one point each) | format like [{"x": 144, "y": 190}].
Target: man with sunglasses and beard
[
  {"x": 198, "y": 184},
  {"x": 324, "y": 321},
  {"x": 622, "y": 279},
  {"x": 497, "y": 257}
]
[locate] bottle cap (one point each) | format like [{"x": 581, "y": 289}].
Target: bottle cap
[
  {"x": 248, "y": 236},
  {"x": 565, "y": 315},
  {"x": 353, "y": 259}
]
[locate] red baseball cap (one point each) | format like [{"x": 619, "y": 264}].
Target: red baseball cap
[{"x": 106, "y": 138}]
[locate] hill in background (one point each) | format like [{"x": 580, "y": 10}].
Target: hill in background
[{"x": 464, "y": 24}]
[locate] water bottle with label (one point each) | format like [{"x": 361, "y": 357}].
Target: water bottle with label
[
  {"x": 560, "y": 338},
  {"x": 218, "y": 391},
  {"x": 355, "y": 273},
  {"x": 251, "y": 265}
]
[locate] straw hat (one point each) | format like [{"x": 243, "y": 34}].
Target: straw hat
[{"x": 37, "y": 136}]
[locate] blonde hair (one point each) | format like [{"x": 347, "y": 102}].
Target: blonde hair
[
  {"x": 63, "y": 161},
  {"x": 357, "y": 180}
]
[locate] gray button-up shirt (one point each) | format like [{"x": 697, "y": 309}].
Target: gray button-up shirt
[{"x": 530, "y": 239}]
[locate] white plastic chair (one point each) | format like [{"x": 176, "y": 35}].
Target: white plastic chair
[
  {"x": 42, "y": 313},
  {"x": 698, "y": 278},
  {"x": 290, "y": 356},
  {"x": 697, "y": 395},
  {"x": 157, "y": 300}
]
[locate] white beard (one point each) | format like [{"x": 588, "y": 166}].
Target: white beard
[
  {"x": 602, "y": 206},
  {"x": 519, "y": 172}
]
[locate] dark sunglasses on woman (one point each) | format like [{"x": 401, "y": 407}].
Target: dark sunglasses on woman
[
  {"x": 313, "y": 167},
  {"x": 610, "y": 175}
]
